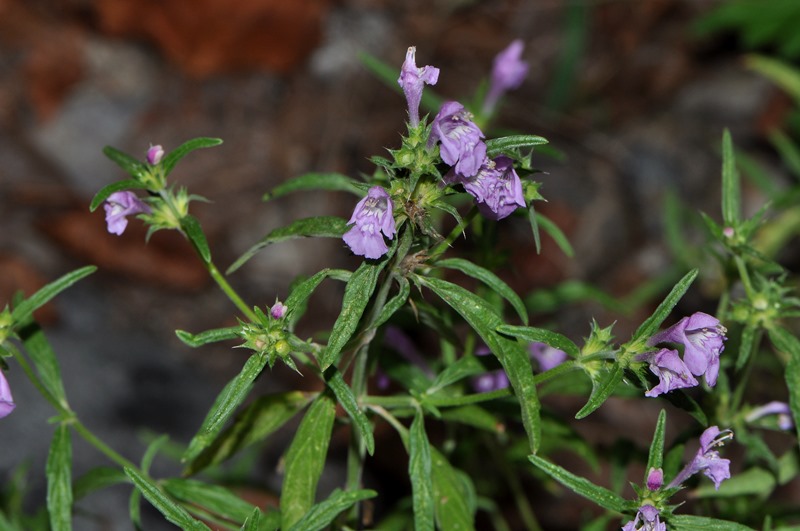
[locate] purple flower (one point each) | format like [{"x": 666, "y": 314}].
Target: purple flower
[
  {"x": 547, "y": 356},
  {"x": 372, "y": 215},
  {"x": 278, "y": 310},
  {"x": 412, "y": 80},
  {"x": 118, "y": 206},
  {"x": 154, "y": 155},
  {"x": 655, "y": 479},
  {"x": 7, "y": 404},
  {"x": 781, "y": 409},
  {"x": 648, "y": 515},
  {"x": 702, "y": 337},
  {"x": 460, "y": 138},
  {"x": 490, "y": 381},
  {"x": 672, "y": 372},
  {"x": 496, "y": 187},
  {"x": 707, "y": 459},
  {"x": 508, "y": 72}
]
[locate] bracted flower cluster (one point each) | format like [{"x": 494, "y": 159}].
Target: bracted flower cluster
[
  {"x": 647, "y": 519},
  {"x": 702, "y": 338},
  {"x": 707, "y": 459},
  {"x": 7, "y": 404},
  {"x": 508, "y": 73},
  {"x": 372, "y": 216},
  {"x": 118, "y": 206},
  {"x": 412, "y": 80}
]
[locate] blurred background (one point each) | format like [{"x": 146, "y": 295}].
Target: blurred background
[{"x": 632, "y": 94}]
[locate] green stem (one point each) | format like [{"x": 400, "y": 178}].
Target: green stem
[
  {"x": 738, "y": 394},
  {"x": 219, "y": 278},
  {"x": 457, "y": 230},
  {"x": 26, "y": 368},
  {"x": 106, "y": 450},
  {"x": 743, "y": 274}
]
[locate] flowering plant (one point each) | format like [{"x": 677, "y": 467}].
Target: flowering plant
[{"x": 478, "y": 388}]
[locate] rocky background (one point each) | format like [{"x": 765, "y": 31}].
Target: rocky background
[{"x": 633, "y": 99}]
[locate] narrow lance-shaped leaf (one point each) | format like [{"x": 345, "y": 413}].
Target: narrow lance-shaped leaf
[
  {"x": 208, "y": 336},
  {"x": 305, "y": 460},
  {"x": 316, "y": 227},
  {"x": 747, "y": 345},
  {"x": 195, "y": 233},
  {"x": 345, "y": 396},
  {"x": 687, "y": 522},
  {"x": 533, "y": 335},
  {"x": 224, "y": 406},
  {"x": 321, "y": 515},
  {"x": 496, "y": 146},
  {"x": 59, "y": 480},
  {"x": 107, "y": 190},
  {"x": 419, "y": 471},
  {"x": 512, "y": 355},
  {"x": 556, "y": 233},
  {"x": 253, "y": 521},
  {"x": 23, "y": 311},
  {"x": 649, "y": 327},
  {"x": 318, "y": 181},
  {"x": 731, "y": 190},
  {"x": 454, "y": 495},
  {"x": 356, "y": 297},
  {"x": 786, "y": 342},
  {"x": 44, "y": 359},
  {"x": 582, "y": 486},
  {"x": 602, "y": 388},
  {"x": 297, "y": 299},
  {"x": 130, "y": 165},
  {"x": 214, "y": 498},
  {"x": 260, "y": 419},
  {"x": 172, "y": 158},
  {"x": 395, "y": 303},
  {"x": 490, "y": 279},
  {"x": 655, "y": 458},
  {"x": 173, "y": 512}
]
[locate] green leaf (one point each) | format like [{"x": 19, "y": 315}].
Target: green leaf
[
  {"x": 224, "y": 406},
  {"x": 316, "y": 227},
  {"x": 209, "y": 336},
  {"x": 464, "y": 367},
  {"x": 321, "y": 515},
  {"x": 655, "y": 458},
  {"x": 194, "y": 232},
  {"x": 253, "y": 521},
  {"x": 305, "y": 460},
  {"x": 788, "y": 150},
  {"x": 356, "y": 297},
  {"x": 513, "y": 356},
  {"x": 214, "y": 498},
  {"x": 454, "y": 495},
  {"x": 601, "y": 390},
  {"x": 59, "y": 480},
  {"x": 171, "y": 159},
  {"x": 472, "y": 415},
  {"x": 686, "y": 522},
  {"x": 490, "y": 279},
  {"x": 534, "y": 335},
  {"x": 296, "y": 301},
  {"x": 496, "y": 146},
  {"x": 599, "y": 495},
  {"x": 731, "y": 188},
  {"x": 173, "y": 512},
  {"x": 781, "y": 73},
  {"x": 96, "y": 479},
  {"x": 335, "y": 380},
  {"x": 649, "y": 327},
  {"x": 44, "y": 359},
  {"x": 260, "y": 419},
  {"x": 24, "y": 310},
  {"x": 107, "y": 190},
  {"x": 746, "y": 345},
  {"x": 787, "y": 343},
  {"x": 419, "y": 470},
  {"x": 130, "y": 165},
  {"x": 751, "y": 482},
  {"x": 395, "y": 303},
  {"x": 555, "y": 232},
  {"x": 318, "y": 181}
]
